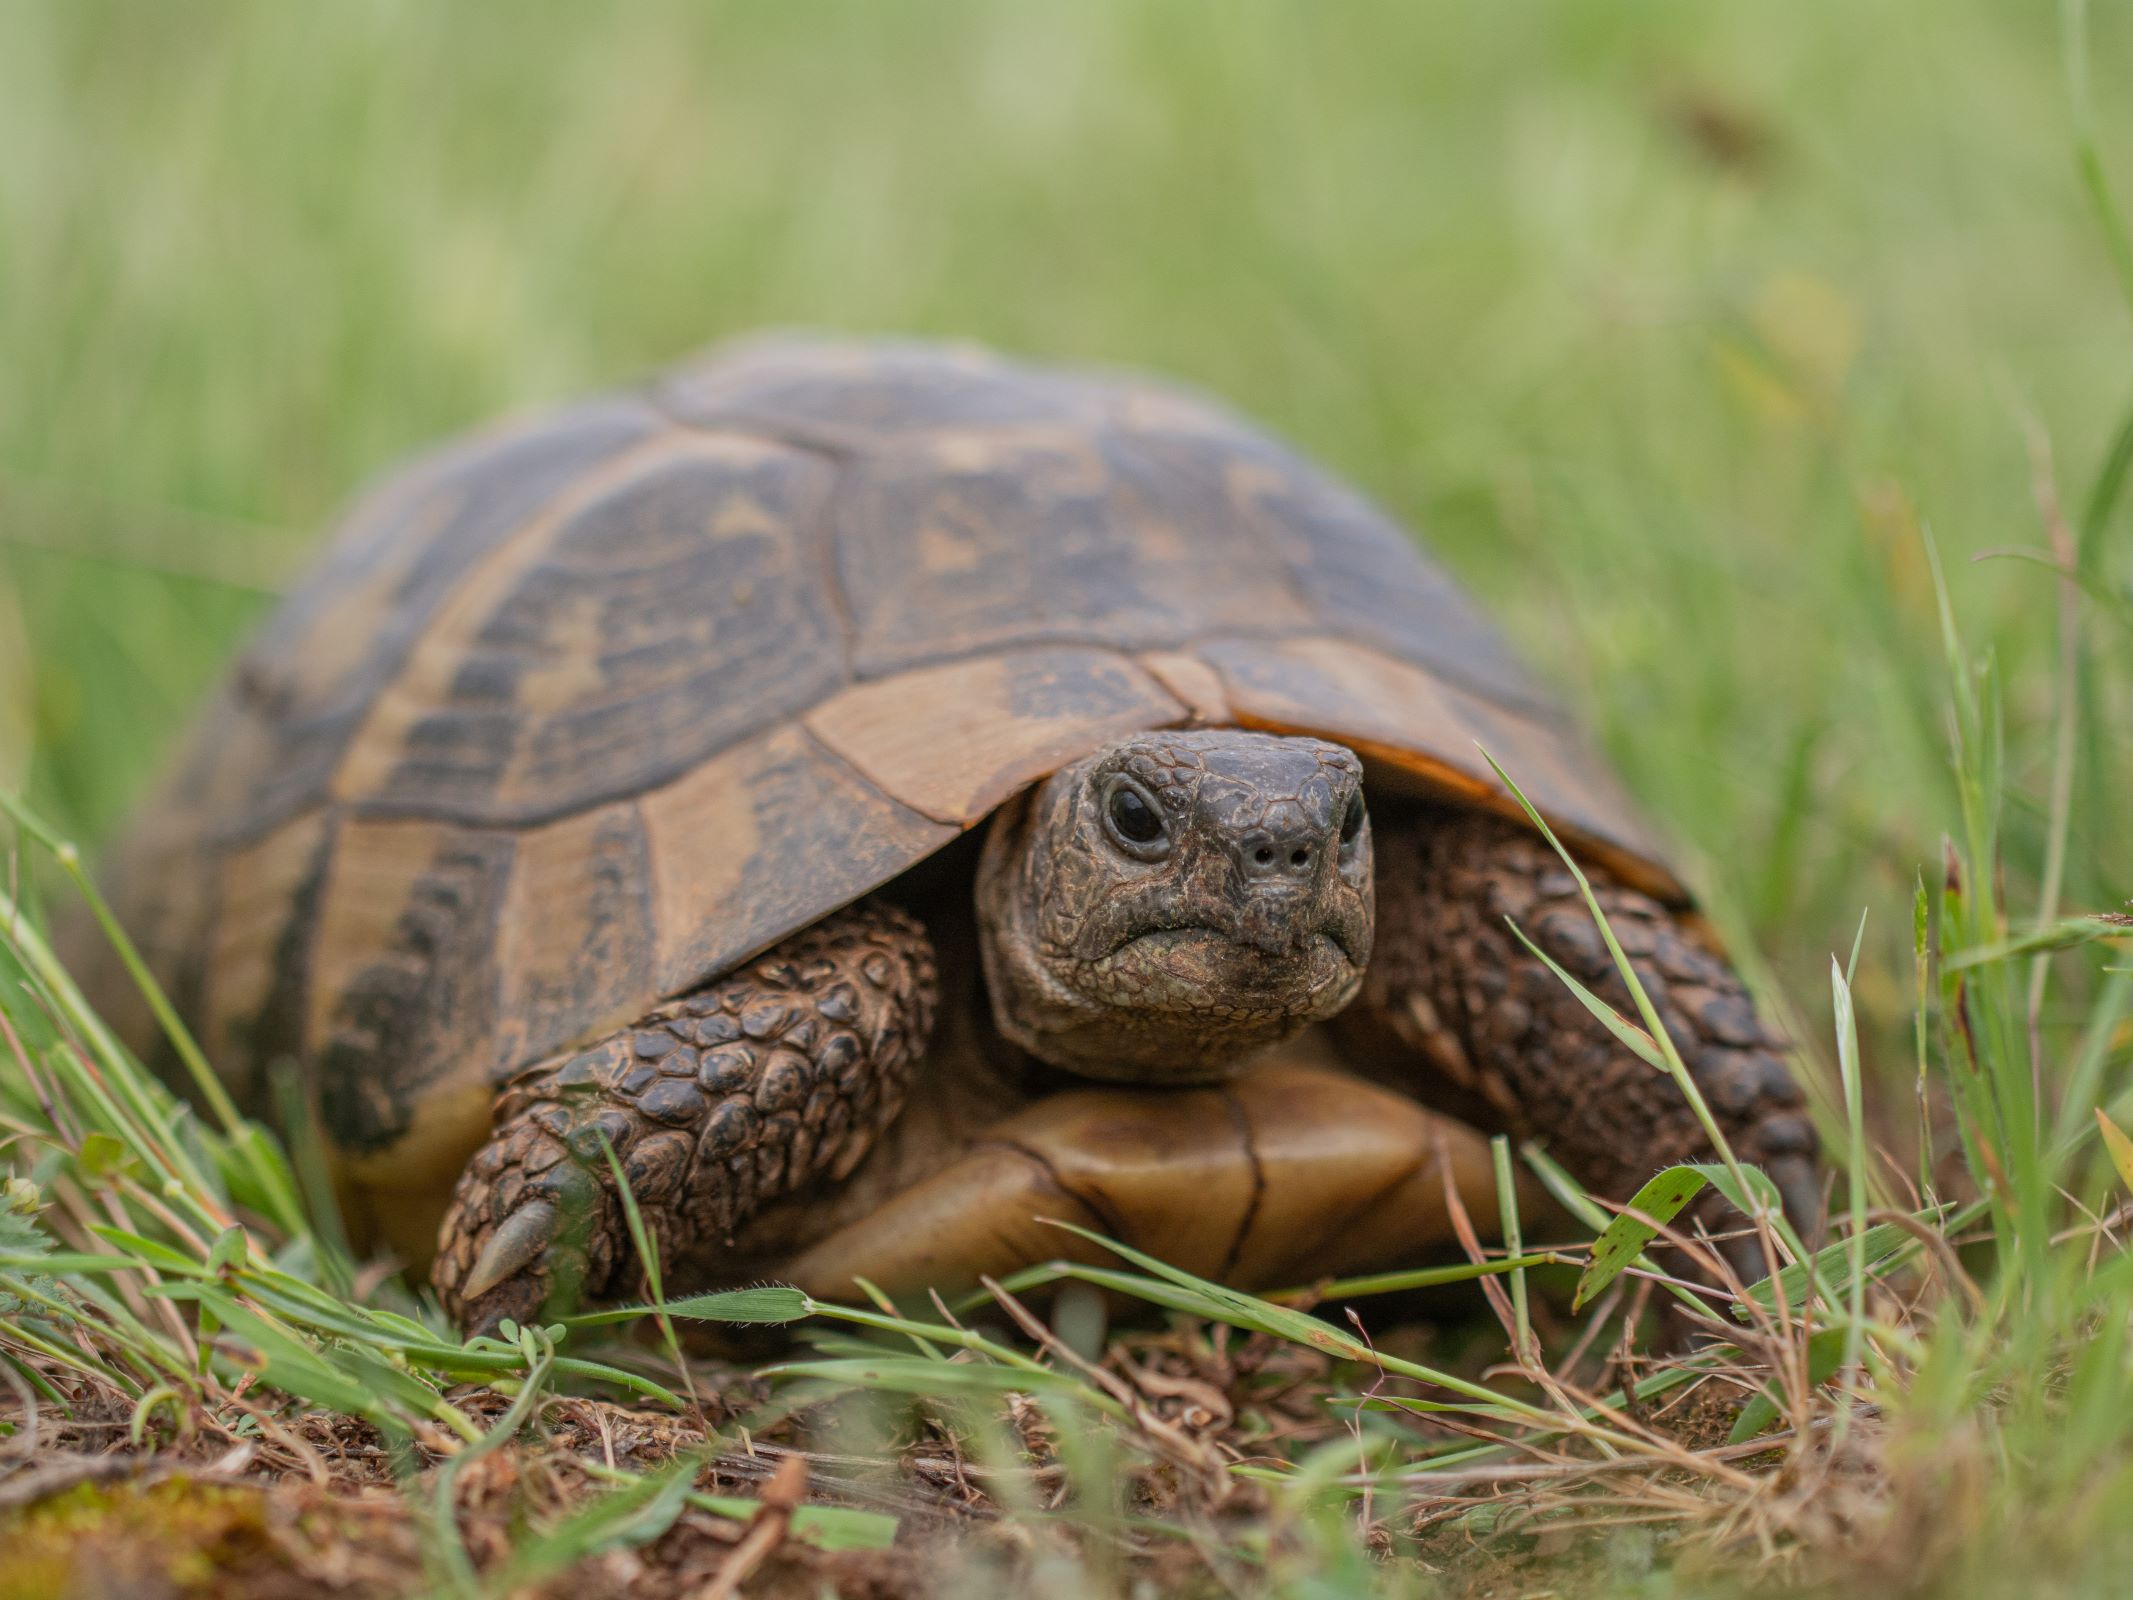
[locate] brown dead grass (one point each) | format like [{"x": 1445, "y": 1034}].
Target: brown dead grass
[{"x": 303, "y": 1503}]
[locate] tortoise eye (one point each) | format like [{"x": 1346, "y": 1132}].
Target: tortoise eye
[
  {"x": 1352, "y": 820},
  {"x": 1132, "y": 816}
]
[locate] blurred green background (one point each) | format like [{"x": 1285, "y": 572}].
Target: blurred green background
[{"x": 1669, "y": 323}]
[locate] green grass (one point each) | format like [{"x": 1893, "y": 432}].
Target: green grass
[{"x": 1709, "y": 342}]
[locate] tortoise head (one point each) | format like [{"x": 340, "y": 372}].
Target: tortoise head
[{"x": 1176, "y": 901}]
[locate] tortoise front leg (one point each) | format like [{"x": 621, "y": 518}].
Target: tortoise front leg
[
  {"x": 1457, "y": 1008},
  {"x": 1289, "y": 1173},
  {"x": 775, "y": 1076}
]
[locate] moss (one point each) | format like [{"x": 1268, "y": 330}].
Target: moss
[{"x": 177, "y": 1537}]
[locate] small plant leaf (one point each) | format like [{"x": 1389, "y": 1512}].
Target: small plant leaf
[
  {"x": 2063, "y": 935},
  {"x": 600, "y": 1372},
  {"x": 1650, "y": 1209},
  {"x": 773, "y": 1302},
  {"x": 228, "y": 1250},
  {"x": 101, "y": 1155}
]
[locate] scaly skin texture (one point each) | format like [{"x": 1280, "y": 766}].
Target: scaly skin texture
[
  {"x": 1490, "y": 1034},
  {"x": 774, "y": 1078}
]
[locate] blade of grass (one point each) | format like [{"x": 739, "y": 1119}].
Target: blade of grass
[
  {"x": 1855, "y": 1163},
  {"x": 2119, "y": 1146},
  {"x": 766, "y": 1304},
  {"x": 1674, "y": 1066},
  {"x": 1528, "y": 1351},
  {"x": 1372, "y": 1283}
]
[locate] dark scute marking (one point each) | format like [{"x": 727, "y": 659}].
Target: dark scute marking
[
  {"x": 672, "y": 1101},
  {"x": 579, "y": 1072},
  {"x": 1786, "y": 1134},
  {"x": 726, "y": 1070},
  {"x": 716, "y": 1029},
  {"x": 277, "y": 1032},
  {"x": 429, "y": 996},
  {"x": 486, "y": 678},
  {"x": 1076, "y": 687},
  {"x": 671, "y": 617},
  {"x": 1068, "y": 537},
  {"x": 397, "y": 557},
  {"x": 613, "y": 962}
]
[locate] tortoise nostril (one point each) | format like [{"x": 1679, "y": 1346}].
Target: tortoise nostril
[{"x": 1288, "y": 862}]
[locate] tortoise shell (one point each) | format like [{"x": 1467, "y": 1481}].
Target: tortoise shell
[{"x": 579, "y": 713}]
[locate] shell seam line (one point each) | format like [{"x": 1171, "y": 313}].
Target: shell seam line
[
  {"x": 1243, "y": 1125},
  {"x": 1098, "y": 1206}
]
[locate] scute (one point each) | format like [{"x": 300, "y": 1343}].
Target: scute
[
  {"x": 579, "y": 714},
  {"x": 403, "y": 988},
  {"x": 663, "y": 612},
  {"x": 953, "y": 741},
  {"x": 959, "y": 543},
  {"x": 996, "y": 502}
]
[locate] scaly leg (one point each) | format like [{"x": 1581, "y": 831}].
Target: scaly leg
[
  {"x": 775, "y": 1076},
  {"x": 1456, "y": 1007}
]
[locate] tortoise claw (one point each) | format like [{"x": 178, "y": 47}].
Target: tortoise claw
[{"x": 516, "y": 1244}]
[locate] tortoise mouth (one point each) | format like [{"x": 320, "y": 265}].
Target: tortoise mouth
[
  {"x": 1207, "y": 971},
  {"x": 1263, "y": 941},
  {"x": 1205, "y": 936},
  {"x": 1186, "y": 1005}
]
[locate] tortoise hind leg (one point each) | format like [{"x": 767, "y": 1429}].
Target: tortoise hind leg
[
  {"x": 778, "y": 1075},
  {"x": 1460, "y": 1012}
]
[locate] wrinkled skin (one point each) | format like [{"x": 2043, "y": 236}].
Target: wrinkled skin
[{"x": 1245, "y": 917}]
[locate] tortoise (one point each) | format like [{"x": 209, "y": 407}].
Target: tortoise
[{"x": 886, "y": 794}]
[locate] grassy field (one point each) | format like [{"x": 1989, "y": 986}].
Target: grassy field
[{"x": 1686, "y": 332}]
